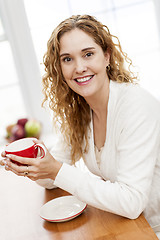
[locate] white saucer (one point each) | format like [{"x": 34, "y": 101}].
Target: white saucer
[{"x": 62, "y": 209}]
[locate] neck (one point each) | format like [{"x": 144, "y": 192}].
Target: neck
[{"x": 99, "y": 102}]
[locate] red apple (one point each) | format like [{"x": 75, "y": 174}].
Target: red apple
[
  {"x": 22, "y": 121},
  {"x": 18, "y": 132}
]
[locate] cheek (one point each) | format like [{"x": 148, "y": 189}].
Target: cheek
[
  {"x": 100, "y": 67},
  {"x": 66, "y": 72}
]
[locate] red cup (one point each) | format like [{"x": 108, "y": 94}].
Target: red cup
[{"x": 25, "y": 147}]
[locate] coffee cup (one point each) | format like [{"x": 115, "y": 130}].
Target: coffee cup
[{"x": 26, "y": 147}]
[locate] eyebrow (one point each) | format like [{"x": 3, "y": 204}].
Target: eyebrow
[{"x": 83, "y": 50}]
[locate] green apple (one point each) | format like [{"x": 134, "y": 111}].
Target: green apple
[{"x": 33, "y": 128}]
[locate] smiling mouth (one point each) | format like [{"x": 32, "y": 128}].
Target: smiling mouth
[{"x": 84, "y": 79}]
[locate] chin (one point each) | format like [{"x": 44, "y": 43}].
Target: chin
[{"x": 87, "y": 95}]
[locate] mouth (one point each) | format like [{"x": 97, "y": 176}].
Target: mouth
[{"x": 84, "y": 79}]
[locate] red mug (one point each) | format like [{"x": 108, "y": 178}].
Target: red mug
[{"x": 25, "y": 147}]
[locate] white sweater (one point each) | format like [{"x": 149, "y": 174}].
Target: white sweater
[{"x": 127, "y": 182}]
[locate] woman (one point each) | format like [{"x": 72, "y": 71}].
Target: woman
[{"x": 105, "y": 118}]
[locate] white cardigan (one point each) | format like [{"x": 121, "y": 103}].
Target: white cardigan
[{"x": 127, "y": 182}]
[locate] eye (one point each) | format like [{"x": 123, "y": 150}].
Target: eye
[
  {"x": 89, "y": 54},
  {"x": 67, "y": 59}
]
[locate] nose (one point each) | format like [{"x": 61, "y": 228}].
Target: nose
[{"x": 80, "y": 66}]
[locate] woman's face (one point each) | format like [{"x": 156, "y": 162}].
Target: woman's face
[{"x": 83, "y": 63}]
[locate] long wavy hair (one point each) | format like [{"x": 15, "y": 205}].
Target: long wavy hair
[{"x": 70, "y": 109}]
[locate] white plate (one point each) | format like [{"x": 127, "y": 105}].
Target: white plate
[{"x": 62, "y": 209}]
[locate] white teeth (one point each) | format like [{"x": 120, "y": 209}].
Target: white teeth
[{"x": 83, "y": 79}]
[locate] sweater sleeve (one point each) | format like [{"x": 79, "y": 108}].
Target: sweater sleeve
[{"x": 137, "y": 146}]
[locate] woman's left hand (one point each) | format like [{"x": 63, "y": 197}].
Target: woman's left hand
[{"x": 35, "y": 168}]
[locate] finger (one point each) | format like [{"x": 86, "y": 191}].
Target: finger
[
  {"x": 14, "y": 171},
  {"x": 2, "y": 162},
  {"x": 25, "y": 171},
  {"x": 35, "y": 140},
  {"x": 18, "y": 169},
  {"x": 22, "y": 160},
  {"x": 6, "y": 168},
  {"x": 38, "y": 141},
  {"x": 3, "y": 154},
  {"x": 36, "y": 176}
]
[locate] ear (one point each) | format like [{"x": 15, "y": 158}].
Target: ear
[{"x": 107, "y": 56}]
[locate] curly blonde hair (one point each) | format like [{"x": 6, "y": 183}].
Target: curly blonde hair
[{"x": 70, "y": 109}]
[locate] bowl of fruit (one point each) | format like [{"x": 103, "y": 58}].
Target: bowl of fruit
[{"x": 24, "y": 127}]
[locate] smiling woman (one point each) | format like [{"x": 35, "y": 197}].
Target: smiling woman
[
  {"x": 105, "y": 117},
  {"x": 92, "y": 54}
]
